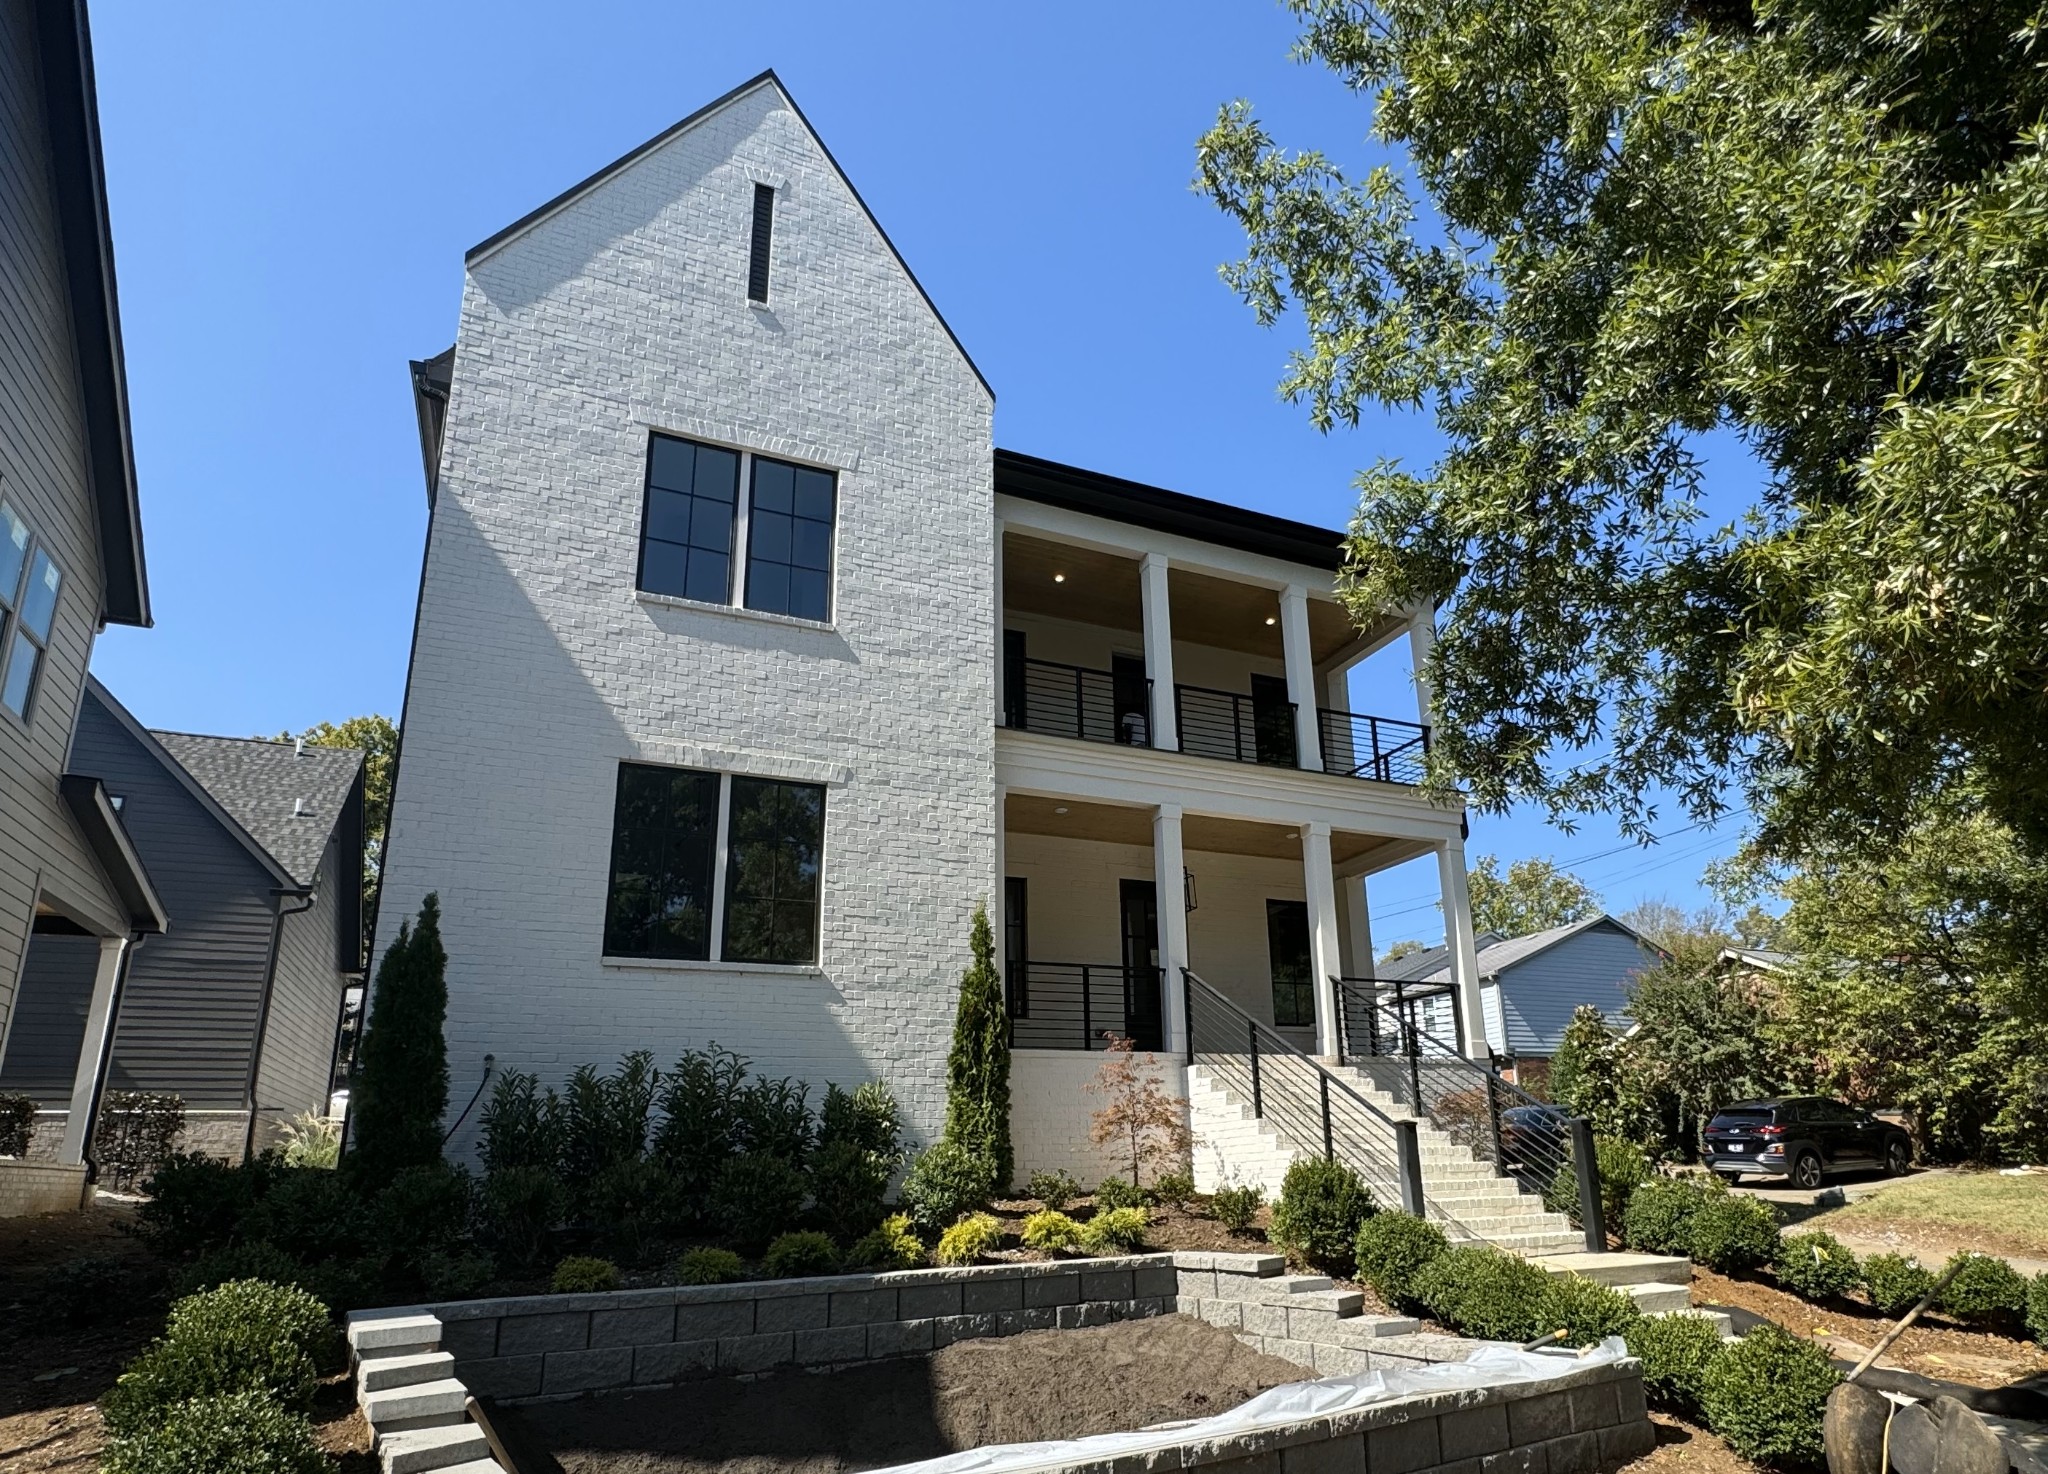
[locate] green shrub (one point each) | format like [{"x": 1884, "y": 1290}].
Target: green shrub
[
  {"x": 755, "y": 1197},
  {"x": 17, "y": 1123},
  {"x": 1050, "y": 1232},
  {"x": 350, "y": 1284},
  {"x": 709, "y": 1267},
  {"x": 1675, "y": 1351},
  {"x": 1986, "y": 1291},
  {"x": 1765, "y": 1395},
  {"x": 522, "y": 1125},
  {"x": 1392, "y": 1250},
  {"x": 1115, "y": 1231},
  {"x": 945, "y": 1182},
  {"x": 1117, "y": 1192},
  {"x": 135, "y": 1134},
  {"x": 1659, "y": 1215},
  {"x": 1236, "y": 1207},
  {"x": 1176, "y": 1188},
  {"x": 1817, "y": 1266},
  {"x": 1585, "y": 1310},
  {"x": 1481, "y": 1292},
  {"x": 969, "y": 1239},
  {"x": 315, "y": 1213},
  {"x": 1054, "y": 1189},
  {"x": 520, "y": 1208},
  {"x": 583, "y": 1274},
  {"x": 2037, "y": 1309},
  {"x": 895, "y": 1245},
  {"x": 604, "y": 1122},
  {"x": 1734, "y": 1234},
  {"x": 849, "y": 1187},
  {"x": 1622, "y": 1168},
  {"x": 243, "y": 1336},
  {"x": 401, "y": 1083},
  {"x": 453, "y": 1274},
  {"x": 978, "y": 1065},
  {"x": 1894, "y": 1283},
  {"x": 240, "y": 1262},
  {"x": 240, "y": 1433},
  {"x": 425, "y": 1208},
  {"x": 312, "y": 1140},
  {"x": 196, "y": 1202},
  {"x": 801, "y": 1255},
  {"x": 774, "y": 1118},
  {"x": 1316, "y": 1219},
  {"x": 630, "y": 1202},
  {"x": 698, "y": 1128}
]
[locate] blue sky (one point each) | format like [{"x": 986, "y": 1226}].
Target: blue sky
[{"x": 293, "y": 187}]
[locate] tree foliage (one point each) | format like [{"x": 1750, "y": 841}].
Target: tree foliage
[
  {"x": 1619, "y": 228},
  {"x": 376, "y": 738},
  {"x": 1592, "y": 1075},
  {"x": 1140, "y": 1127},
  {"x": 1529, "y": 895},
  {"x": 1705, "y": 1038},
  {"x": 401, "y": 1086},
  {"x": 978, "y": 1068}
]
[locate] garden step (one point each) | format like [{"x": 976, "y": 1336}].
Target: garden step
[
  {"x": 1719, "y": 1319},
  {"x": 377, "y": 1373},
  {"x": 1340, "y": 1303},
  {"x": 1651, "y": 1296},
  {"x": 422, "y": 1405},
  {"x": 380, "y": 1333},
  {"x": 1537, "y": 1246},
  {"x": 1360, "y": 1331},
  {"x": 474, "y": 1466},
  {"x": 1622, "y": 1269},
  {"x": 432, "y": 1450}
]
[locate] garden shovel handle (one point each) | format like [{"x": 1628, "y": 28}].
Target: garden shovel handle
[{"x": 1904, "y": 1321}]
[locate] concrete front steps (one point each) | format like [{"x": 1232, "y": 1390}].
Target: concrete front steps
[
  {"x": 1464, "y": 1194},
  {"x": 417, "y": 1410},
  {"x": 1660, "y": 1284}
]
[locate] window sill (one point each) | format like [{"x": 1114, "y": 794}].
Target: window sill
[
  {"x": 683, "y": 964},
  {"x": 738, "y": 611}
]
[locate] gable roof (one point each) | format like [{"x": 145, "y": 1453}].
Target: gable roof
[
  {"x": 1501, "y": 953},
  {"x": 286, "y": 798},
  {"x": 753, "y": 84}
]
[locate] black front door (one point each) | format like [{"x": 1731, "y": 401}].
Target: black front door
[
  {"x": 1273, "y": 722},
  {"x": 1140, "y": 902},
  {"x": 1127, "y": 692}
]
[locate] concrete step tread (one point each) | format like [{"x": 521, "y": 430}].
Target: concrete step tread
[
  {"x": 484, "y": 1465},
  {"x": 1651, "y": 1296},
  {"x": 421, "y": 1399},
  {"x": 376, "y": 1373},
  {"x": 1619, "y": 1268},
  {"x": 385, "y": 1332},
  {"x": 432, "y": 1450}
]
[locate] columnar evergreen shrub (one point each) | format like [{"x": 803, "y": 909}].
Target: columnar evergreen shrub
[
  {"x": 1050, "y": 1232},
  {"x": 1236, "y": 1207},
  {"x": 1585, "y": 1310},
  {"x": 801, "y": 1254},
  {"x": 240, "y": 1433},
  {"x": 1115, "y": 1231},
  {"x": 1734, "y": 1234},
  {"x": 1766, "y": 1393},
  {"x": 401, "y": 1086},
  {"x": 1895, "y": 1283},
  {"x": 895, "y": 1245},
  {"x": 968, "y": 1240},
  {"x": 1316, "y": 1219},
  {"x": 1675, "y": 1351},
  {"x": 1481, "y": 1292},
  {"x": 1392, "y": 1250},
  {"x": 978, "y": 1067},
  {"x": 1986, "y": 1291},
  {"x": 945, "y": 1182},
  {"x": 583, "y": 1274},
  {"x": 1818, "y": 1266},
  {"x": 709, "y": 1267},
  {"x": 1659, "y": 1215}
]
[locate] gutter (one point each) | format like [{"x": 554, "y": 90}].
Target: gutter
[{"x": 304, "y": 893}]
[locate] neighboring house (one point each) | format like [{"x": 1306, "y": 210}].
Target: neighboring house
[
  {"x": 257, "y": 850},
  {"x": 1531, "y": 985},
  {"x": 70, "y": 531},
  {"x": 746, "y": 667}
]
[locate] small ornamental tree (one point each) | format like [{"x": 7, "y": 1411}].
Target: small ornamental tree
[
  {"x": 978, "y": 1068},
  {"x": 1591, "y": 1075},
  {"x": 401, "y": 1087},
  {"x": 1141, "y": 1128}
]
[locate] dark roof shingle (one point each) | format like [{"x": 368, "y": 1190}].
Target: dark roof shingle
[{"x": 287, "y": 798}]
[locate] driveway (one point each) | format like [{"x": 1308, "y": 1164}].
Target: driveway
[{"x": 1795, "y": 1207}]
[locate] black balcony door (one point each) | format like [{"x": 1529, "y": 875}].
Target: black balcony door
[
  {"x": 1272, "y": 722},
  {"x": 1015, "y": 702},
  {"x": 1016, "y": 945},
  {"x": 1140, "y": 903},
  {"x": 1127, "y": 692}
]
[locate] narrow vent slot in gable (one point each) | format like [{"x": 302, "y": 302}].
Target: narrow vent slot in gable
[{"x": 757, "y": 253}]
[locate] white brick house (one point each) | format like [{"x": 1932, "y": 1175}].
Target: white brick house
[{"x": 1087, "y": 702}]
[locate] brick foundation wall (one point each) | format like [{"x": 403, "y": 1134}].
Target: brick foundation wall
[{"x": 28, "y": 1188}]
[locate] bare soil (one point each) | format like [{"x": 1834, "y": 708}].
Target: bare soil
[
  {"x": 1167, "y": 1228},
  {"x": 1686, "y": 1448},
  {"x": 1014, "y": 1389}
]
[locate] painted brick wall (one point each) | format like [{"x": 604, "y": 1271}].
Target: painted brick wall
[
  {"x": 537, "y": 670},
  {"x": 1052, "y": 1111}
]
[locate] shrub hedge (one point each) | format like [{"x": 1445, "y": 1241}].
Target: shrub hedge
[
  {"x": 1986, "y": 1291},
  {"x": 243, "y": 1336},
  {"x": 1894, "y": 1282},
  {"x": 755, "y": 1197},
  {"x": 1316, "y": 1219},
  {"x": 1585, "y": 1310},
  {"x": 1658, "y": 1218},
  {"x": 1675, "y": 1351},
  {"x": 1391, "y": 1250},
  {"x": 1765, "y": 1395},
  {"x": 1484, "y": 1293},
  {"x": 1734, "y": 1234},
  {"x": 238, "y": 1433},
  {"x": 1818, "y": 1266}
]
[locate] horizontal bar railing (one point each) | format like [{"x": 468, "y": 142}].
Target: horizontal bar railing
[
  {"x": 1305, "y": 1101},
  {"x": 1238, "y": 729},
  {"x": 1383, "y": 749},
  {"x": 1075, "y": 701},
  {"x": 1078, "y": 1005}
]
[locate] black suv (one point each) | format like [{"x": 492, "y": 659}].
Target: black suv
[{"x": 1803, "y": 1138}]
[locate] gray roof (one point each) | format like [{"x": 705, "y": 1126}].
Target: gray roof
[
  {"x": 1496, "y": 953},
  {"x": 1417, "y": 966},
  {"x": 287, "y": 799}
]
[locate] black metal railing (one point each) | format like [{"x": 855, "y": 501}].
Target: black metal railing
[
  {"x": 1074, "y": 701},
  {"x": 1379, "y": 748},
  {"x": 1240, "y": 729},
  {"x": 1078, "y": 1005}
]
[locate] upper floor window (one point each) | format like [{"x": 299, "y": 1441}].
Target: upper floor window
[
  {"x": 695, "y": 529},
  {"x": 29, "y": 584}
]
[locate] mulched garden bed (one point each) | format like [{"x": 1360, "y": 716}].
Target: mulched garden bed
[{"x": 1013, "y": 1389}]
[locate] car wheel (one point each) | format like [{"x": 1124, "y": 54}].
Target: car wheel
[
  {"x": 1806, "y": 1171},
  {"x": 1731, "y": 1178},
  {"x": 1897, "y": 1158}
]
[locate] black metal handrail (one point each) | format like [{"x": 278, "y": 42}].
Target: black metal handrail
[
  {"x": 1075, "y": 701},
  {"x": 1078, "y": 1005},
  {"x": 1383, "y": 749},
  {"x": 1234, "y": 727}
]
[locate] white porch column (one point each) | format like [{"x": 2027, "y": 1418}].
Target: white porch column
[
  {"x": 1357, "y": 911},
  {"x": 1457, "y": 900},
  {"x": 99, "y": 1037},
  {"x": 1158, "y": 606},
  {"x": 1169, "y": 863},
  {"x": 999, "y": 894},
  {"x": 1002, "y": 686},
  {"x": 1301, "y": 677},
  {"x": 1319, "y": 880},
  {"x": 1422, "y": 640}
]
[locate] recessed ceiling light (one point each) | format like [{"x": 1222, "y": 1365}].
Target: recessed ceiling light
[
  {"x": 1061, "y": 809},
  {"x": 1271, "y": 619},
  {"x": 1059, "y": 578}
]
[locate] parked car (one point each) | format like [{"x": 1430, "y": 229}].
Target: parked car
[
  {"x": 1803, "y": 1138},
  {"x": 1535, "y": 1136}
]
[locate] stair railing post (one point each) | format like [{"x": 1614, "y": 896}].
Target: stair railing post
[
  {"x": 1500, "y": 1162},
  {"x": 1586, "y": 1166},
  {"x": 1087, "y": 1011},
  {"x": 1408, "y": 1148},
  {"x": 1258, "y": 1099},
  {"x": 1187, "y": 1010},
  {"x": 1414, "y": 1043},
  {"x": 1329, "y": 1136}
]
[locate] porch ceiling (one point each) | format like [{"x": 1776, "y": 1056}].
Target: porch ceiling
[
  {"x": 1132, "y": 825},
  {"x": 1072, "y": 819},
  {"x": 1094, "y": 588}
]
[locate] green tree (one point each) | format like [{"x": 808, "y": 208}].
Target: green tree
[
  {"x": 1530, "y": 895},
  {"x": 978, "y": 1068},
  {"x": 1592, "y": 1075},
  {"x": 1407, "y": 947},
  {"x": 401, "y": 1087},
  {"x": 1705, "y": 1037},
  {"x": 1611, "y": 230},
  {"x": 376, "y": 738}
]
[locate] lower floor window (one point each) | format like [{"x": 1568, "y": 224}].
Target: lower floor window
[
  {"x": 676, "y": 893},
  {"x": 1288, "y": 950}
]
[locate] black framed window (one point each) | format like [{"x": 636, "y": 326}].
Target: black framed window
[
  {"x": 1016, "y": 944},
  {"x": 773, "y": 855},
  {"x": 789, "y": 540},
  {"x": 30, "y": 582},
  {"x": 686, "y": 524},
  {"x": 664, "y": 848},
  {"x": 1288, "y": 950}
]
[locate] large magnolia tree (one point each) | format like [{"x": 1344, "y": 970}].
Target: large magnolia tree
[{"x": 1617, "y": 227}]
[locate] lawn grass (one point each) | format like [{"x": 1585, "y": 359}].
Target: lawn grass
[{"x": 2015, "y": 1208}]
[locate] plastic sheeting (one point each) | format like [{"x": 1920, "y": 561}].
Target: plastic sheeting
[{"x": 1490, "y": 1365}]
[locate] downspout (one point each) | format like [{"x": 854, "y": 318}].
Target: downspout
[
  {"x": 305, "y": 892},
  {"x": 105, "y": 1062}
]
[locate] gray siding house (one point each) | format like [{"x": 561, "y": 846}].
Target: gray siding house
[
  {"x": 257, "y": 850},
  {"x": 70, "y": 531}
]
